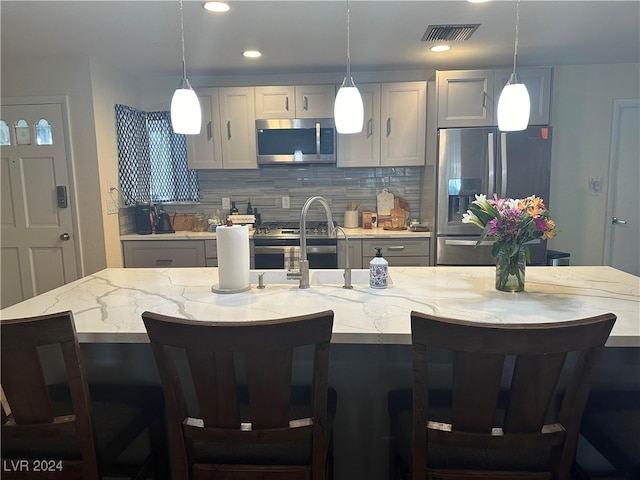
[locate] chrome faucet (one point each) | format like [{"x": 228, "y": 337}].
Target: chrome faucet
[
  {"x": 347, "y": 268},
  {"x": 303, "y": 273}
]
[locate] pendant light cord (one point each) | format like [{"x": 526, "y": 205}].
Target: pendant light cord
[
  {"x": 515, "y": 51},
  {"x": 184, "y": 63},
  {"x": 348, "y": 45}
]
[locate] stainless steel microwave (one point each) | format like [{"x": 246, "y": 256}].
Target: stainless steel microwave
[{"x": 296, "y": 141}]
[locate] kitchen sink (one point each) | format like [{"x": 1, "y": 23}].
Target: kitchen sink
[
  {"x": 271, "y": 277},
  {"x": 336, "y": 277},
  {"x": 316, "y": 277}
]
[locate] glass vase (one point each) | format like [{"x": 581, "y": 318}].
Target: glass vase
[{"x": 510, "y": 269}]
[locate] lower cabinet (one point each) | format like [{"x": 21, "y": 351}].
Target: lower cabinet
[
  {"x": 399, "y": 252},
  {"x": 211, "y": 253},
  {"x": 355, "y": 253},
  {"x": 164, "y": 253}
]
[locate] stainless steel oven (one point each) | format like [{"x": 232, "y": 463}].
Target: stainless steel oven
[{"x": 277, "y": 246}]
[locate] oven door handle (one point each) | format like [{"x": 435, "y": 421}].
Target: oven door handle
[{"x": 270, "y": 249}]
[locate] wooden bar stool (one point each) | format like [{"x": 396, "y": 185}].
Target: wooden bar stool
[
  {"x": 73, "y": 430},
  {"x": 249, "y": 420},
  {"x": 496, "y": 418}
]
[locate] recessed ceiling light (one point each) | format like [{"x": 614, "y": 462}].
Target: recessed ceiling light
[
  {"x": 252, "y": 53},
  {"x": 440, "y": 48},
  {"x": 217, "y": 7},
  {"x": 477, "y": 1}
]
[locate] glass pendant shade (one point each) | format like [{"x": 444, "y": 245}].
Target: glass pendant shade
[
  {"x": 513, "y": 107},
  {"x": 348, "y": 109},
  {"x": 186, "y": 116}
]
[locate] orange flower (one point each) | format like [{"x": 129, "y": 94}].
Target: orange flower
[
  {"x": 549, "y": 231},
  {"x": 535, "y": 206}
]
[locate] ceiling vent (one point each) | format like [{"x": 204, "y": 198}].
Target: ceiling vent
[{"x": 449, "y": 33}]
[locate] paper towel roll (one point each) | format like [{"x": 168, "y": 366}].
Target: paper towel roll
[{"x": 233, "y": 259}]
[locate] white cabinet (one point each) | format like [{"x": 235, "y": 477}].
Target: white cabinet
[
  {"x": 363, "y": 149},
  {"x": 302, "y": 101},
  {"x": 227, "y": 138},
  {"x": 403, "y": 124},
  {"x": 538, "y": 83},
  {"x": 469, "y": 98},
  {"x": 465, "y": 98},
  {"x": 394, "y": 127}
]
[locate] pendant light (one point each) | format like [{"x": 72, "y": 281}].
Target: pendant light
[
  {"x": 186, "y": 116},
  {"x": 348, "y": 110},
  {"x": 514, "y": 104}
]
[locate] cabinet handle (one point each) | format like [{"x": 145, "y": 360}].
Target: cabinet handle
[
  {"x": 306, "y": 102},
  {"x": 388, "y": 126},
  {"x": 370, "y": 127},
  {"x": 164, "y": 263},
  {"x": 229, "y": 129},
  {"x": 395, "y": 248},
  {"x": 286, "y": 103},
  {"x": 209, "y": 134},
  {"x": 484, "y": 101}
]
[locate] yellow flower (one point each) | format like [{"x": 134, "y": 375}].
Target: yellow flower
[{"x": 535, "y": 206}]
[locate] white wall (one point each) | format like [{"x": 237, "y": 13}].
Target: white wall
[
  {"x": 581, "y": 118},
  {"x": 69, "y": 76},
  {"x": 110, "y": 87}
]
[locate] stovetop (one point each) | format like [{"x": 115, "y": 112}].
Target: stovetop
[{"x": 290, "y": 230}]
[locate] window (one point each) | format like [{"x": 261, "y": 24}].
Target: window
[{"x": 152, "y": 159}]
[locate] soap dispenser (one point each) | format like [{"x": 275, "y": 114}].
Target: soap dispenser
[{"x": 378, "y": 271}]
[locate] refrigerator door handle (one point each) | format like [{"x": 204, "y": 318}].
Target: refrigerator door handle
[
  {"x": 469, "y": 243},
  {"x": 503, "y": 166},
  {"x": 491, "y": 163}
]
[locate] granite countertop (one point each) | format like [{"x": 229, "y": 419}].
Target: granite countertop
[
  {"x": 351, "y": 232},
  {"x": 107, "y": 305}
]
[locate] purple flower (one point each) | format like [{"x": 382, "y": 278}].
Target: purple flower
[
  {"x": 541, "y": 223},
  {"x": 494, "y": 226}
]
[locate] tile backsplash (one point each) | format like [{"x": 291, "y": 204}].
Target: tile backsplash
[{"x": 267, "y": 185}]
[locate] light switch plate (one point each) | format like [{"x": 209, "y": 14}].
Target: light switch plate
[
  {"x": 226, "y": 204},
  {"x": 285, "y": 202}
]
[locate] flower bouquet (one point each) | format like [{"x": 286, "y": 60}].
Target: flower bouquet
[{"x": 514, "y": 222}]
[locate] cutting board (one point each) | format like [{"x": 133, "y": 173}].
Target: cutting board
[{"x": 385, "y": 202}]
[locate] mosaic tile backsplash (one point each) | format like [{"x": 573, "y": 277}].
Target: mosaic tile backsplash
[{"x": 267, "y": 185}]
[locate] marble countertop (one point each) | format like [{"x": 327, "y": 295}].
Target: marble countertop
[
  {"x": 107, "y": 305},
  {"x": 351, "y": 232}
]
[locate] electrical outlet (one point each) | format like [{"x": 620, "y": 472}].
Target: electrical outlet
[
  {"x": 112, "y": 207},
  {"x": 285, "y": 202},
  {"x": 226, "y": 204}
]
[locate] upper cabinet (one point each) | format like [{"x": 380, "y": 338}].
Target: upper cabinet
[
  {"x": 465, "y": 98},
  {"x": 302, "y": 101},
  {"x": 227, "y": 137},
  {"x": 469, "y": 98},
  {"x": 394, "y": 127}
]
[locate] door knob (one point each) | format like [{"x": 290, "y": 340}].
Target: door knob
[
  {"x": 618, "y": 221},
  {"x": 65, "y": 236}
]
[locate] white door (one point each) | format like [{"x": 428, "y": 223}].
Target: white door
[
  {"x": 622, "y": 242},
  {"x": 37, "y": 237}
]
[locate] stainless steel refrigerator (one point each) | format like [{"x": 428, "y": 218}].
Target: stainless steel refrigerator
[{"x": 484, "y": 160}]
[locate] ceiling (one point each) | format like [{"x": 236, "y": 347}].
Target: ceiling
[{"x": 143, "y": 37}]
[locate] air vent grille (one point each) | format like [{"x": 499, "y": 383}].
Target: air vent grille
[{"x": 449, "y": 33}]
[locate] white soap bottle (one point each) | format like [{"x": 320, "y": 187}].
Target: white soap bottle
[{"x": 378, "y": 271}]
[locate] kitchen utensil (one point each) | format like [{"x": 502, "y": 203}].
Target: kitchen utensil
[{"x": 164, "y": 223}]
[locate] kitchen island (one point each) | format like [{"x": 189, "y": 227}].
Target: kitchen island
[
  {"x": 370, "y": 352},
  {"x": 107, "y": 305}
]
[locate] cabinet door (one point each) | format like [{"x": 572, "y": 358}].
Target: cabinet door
[
  {"x": 163, "y": 253},
  {"x": 238, "y": 127},
  {"x": 315, "y": 101},
  {"x": 403, "y": 124},
  {"x": 465, "y": 98},
  {"x": 355, "y": 253},
  {"x": 363, "y": 149},
  {"x": 275, "y": 102},
  {"x": 205, "y": 150},
  {"x": 538, "y": 83}
]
